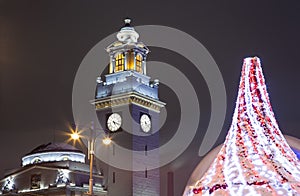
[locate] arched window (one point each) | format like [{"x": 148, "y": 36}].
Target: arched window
[
  {"x": 138, "y": 63},
  {"x": 130, "y": 60},
  {"x": 36, "y": 160},
  {"x": 120, "y": 59},
  {"x": 65, "y": 158}
]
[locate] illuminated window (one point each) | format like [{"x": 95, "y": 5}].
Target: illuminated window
[
  {"x": 120, "y": 59},
  {"x": 138, "y": 64},
  {"x": 36, "y": 160},
  {"x": 130, "y": 60},
  {"x": 65, "y": 158}
]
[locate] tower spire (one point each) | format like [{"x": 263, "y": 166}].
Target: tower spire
[{"x": 255, "y": 158}]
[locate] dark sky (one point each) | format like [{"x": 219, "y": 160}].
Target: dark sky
[{"x": 42, "y": 44}]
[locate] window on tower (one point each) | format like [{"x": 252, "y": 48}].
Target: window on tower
[
  {"x": 120, "y": 59},
  {"x": 114, "y": 177},
  {"x": 139, "y": 60},
  {"x": 130, "y": 60}
]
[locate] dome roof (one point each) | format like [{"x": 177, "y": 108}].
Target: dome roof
[
  {"x": 127, "y": 33},
  {"x": 53, "y": 152},
  {"x": 54, "y": 147}
]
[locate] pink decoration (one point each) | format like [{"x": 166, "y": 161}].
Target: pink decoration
[{"x": 255, "y": 158}]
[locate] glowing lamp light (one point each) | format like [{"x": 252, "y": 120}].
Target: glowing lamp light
[
  {"x": 75, "y": 136},
  {"x": 106, "y": 141}
]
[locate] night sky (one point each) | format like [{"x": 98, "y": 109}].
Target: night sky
[{"x": 42, "y": 44}]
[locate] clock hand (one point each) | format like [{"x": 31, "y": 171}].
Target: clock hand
[{"x": 116, "y": 123}]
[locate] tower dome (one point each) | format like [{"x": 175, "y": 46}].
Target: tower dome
[{"x": 127, "y": 33}]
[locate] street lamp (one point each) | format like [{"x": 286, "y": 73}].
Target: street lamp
[
  {"x": 91, "y": 151},
  {"x": 75, "y": 136}
]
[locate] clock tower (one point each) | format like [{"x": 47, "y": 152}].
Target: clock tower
[{"x": 128, "y": 109}]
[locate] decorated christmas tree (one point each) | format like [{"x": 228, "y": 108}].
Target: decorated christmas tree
[{"x": 255, "y": 158}]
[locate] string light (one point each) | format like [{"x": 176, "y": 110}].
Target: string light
[{"x": 255, "y": 158}]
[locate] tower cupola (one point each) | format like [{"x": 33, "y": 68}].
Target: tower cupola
[
  {"x": 127, "y": 53},
  {"x": 127, "y": 68},
  {"x": 127, "y": 33}
]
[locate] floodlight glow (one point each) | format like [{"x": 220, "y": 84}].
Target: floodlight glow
[
  {"x": 75, "y": 136},
  {"x": 106, "y": 141}
]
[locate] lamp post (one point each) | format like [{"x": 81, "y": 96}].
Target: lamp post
[{"x": 91, "y": 153}]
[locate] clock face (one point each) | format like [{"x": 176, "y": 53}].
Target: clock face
[
  {"x": 114, "y": 122},
  {"x": 145, "y": 122}
]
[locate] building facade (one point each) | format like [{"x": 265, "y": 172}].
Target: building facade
[{"x": 52, "y": 169}]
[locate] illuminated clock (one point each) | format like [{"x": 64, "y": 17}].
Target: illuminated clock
[
  {"x": 145, "y": 122},
  {"x": 114, "y": 122}
]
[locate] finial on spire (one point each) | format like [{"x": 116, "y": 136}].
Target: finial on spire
[
  {"x": 127, "y": 32},
  {"x": 127, "y": 20}
]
